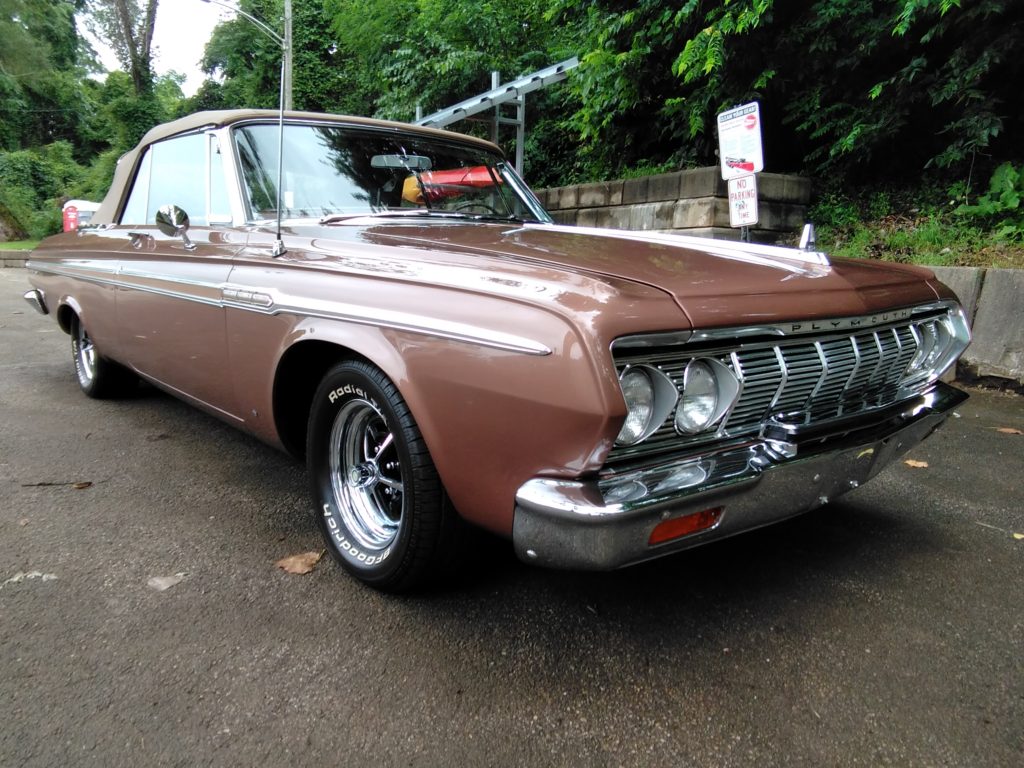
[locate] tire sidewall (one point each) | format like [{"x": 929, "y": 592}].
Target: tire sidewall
[
  {"x": 345, "y": 383},
  {"x": 88, "y": 385}
]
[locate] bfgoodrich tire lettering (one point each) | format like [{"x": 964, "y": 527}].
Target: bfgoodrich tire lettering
[{"x": 379, "y": 501}]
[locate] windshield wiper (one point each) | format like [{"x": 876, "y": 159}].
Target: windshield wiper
[{"x": 511, "y": 218}]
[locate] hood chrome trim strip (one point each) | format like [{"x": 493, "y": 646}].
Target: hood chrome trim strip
[{"x": 807, "y": 263}]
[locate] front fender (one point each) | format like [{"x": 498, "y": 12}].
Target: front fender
[{"x": 491, "y": 417}]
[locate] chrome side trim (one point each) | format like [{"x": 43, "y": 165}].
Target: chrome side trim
[
  {"x": 402, "y": 321},
  {"x": 219, "y": 412},
  {"x": 272, "y": 302},
  {"x": 243, "y": 299}
]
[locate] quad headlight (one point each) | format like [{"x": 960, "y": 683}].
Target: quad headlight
[
  {"x": 709, "y": 391},
  {"x": 650, "y": 397},
  {"x": 940, "y": 341}
]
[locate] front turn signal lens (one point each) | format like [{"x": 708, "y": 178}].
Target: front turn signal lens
[{"x": 678, "y": 527}]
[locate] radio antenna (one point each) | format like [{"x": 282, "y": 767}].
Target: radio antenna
[{"x": 285, "y": 44}]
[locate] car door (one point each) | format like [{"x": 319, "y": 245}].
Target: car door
[{"x": 169, "y": 301}]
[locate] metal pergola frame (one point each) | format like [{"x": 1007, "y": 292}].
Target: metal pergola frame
[{"x": 510, "y": 93}]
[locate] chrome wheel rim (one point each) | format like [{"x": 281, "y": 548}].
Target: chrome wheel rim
[
  {"x": 366, "y": 474},
  {"x": 85, "y": 354}
]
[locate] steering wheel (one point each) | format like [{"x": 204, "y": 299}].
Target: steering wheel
[{"x": 477, "y": 204}]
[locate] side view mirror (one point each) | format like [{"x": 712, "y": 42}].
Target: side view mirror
[{"x": 173, "y": 222}]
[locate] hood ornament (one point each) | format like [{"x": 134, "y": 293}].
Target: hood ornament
[{"x": 808, "y": 242}]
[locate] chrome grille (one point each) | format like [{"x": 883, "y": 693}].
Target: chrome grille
[{"x": 811, "y": 378}]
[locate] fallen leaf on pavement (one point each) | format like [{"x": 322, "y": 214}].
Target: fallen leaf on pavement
[
  {"x": 163, "y": 583},
  {"x": 21, "y": 576},
  {"x": 916, "y": 464},
  {"x": 1009, "y": 431},
  {"x": 81, "y": 486},
  {"x": 300, "y": 564},
  {"x": 1018, "y": 536}
]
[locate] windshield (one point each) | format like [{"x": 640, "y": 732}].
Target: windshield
[{"x": 335, "y": 172}]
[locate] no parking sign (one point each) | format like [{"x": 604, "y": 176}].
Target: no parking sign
[{"x": 743, "y": 201}]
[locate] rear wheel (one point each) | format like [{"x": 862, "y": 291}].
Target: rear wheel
[
  {"x": 97, "y": 376},
  {"x": 379, "y": 501}
]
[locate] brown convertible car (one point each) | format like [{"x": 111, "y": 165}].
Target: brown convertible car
[{"x": 393, "y": 304}]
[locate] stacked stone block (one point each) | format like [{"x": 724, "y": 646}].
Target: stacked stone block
[{"x": 693, "y": 202}]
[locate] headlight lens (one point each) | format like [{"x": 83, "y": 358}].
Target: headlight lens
[
  {"x": 638, "y": 392},
  {"x": 698, "y": 405},
  {"x": 930, "y": 346},
  {"x": 940, "y": 341}
]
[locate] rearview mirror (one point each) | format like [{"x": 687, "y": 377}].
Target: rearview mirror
[{"x": 404, "y": 162}]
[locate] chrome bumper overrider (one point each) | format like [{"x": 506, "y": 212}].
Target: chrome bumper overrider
[
  {"x": 38, "y": 302},
  {"x": 606, "y": 523}
]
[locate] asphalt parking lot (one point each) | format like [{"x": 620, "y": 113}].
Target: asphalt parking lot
[{"x": 885, "y": 629}]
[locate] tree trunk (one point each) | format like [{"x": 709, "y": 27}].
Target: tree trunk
[{"x": 137, "y": 37}]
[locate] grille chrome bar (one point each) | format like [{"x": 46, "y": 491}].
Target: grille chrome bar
[{"x": 812, "y": 378}]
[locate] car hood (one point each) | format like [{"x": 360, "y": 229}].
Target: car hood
[{"x": 714, "y": 282}]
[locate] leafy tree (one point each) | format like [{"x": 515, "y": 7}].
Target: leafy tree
[
  {"x": 40, "y": 97},
  {"x": 400, "y": 54},
  {"x": 127, "y": 27},
  {"x": 436, "y": 52},
  {"x": 848, "y": 86},
  {"x": 250, "y": 62}
]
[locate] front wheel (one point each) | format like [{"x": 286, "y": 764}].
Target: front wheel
[{"x": 379, "y": 501}]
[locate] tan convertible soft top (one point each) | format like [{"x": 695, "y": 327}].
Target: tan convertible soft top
[{"x": 217, "y": 119}]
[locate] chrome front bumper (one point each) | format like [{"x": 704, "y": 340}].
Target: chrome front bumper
[{"x": 606, "y": 523}]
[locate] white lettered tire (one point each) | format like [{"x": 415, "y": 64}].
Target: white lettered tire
[{"x": 378, "y": 499}]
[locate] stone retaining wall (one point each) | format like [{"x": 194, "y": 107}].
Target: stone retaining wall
[
  {"x": 994, "y": 302},
  {"x": 13, "y": 258},
  {"x": 693, "y": 202}
]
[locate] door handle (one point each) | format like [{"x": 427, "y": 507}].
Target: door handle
[{"x": 137, "y": 239}]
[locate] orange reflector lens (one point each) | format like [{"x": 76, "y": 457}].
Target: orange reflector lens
[{"x": 678, "y": 527}]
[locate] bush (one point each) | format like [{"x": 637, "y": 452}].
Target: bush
[
  {"x": 1000, "y": 207},
  {"x": 33, "y": 185}
]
